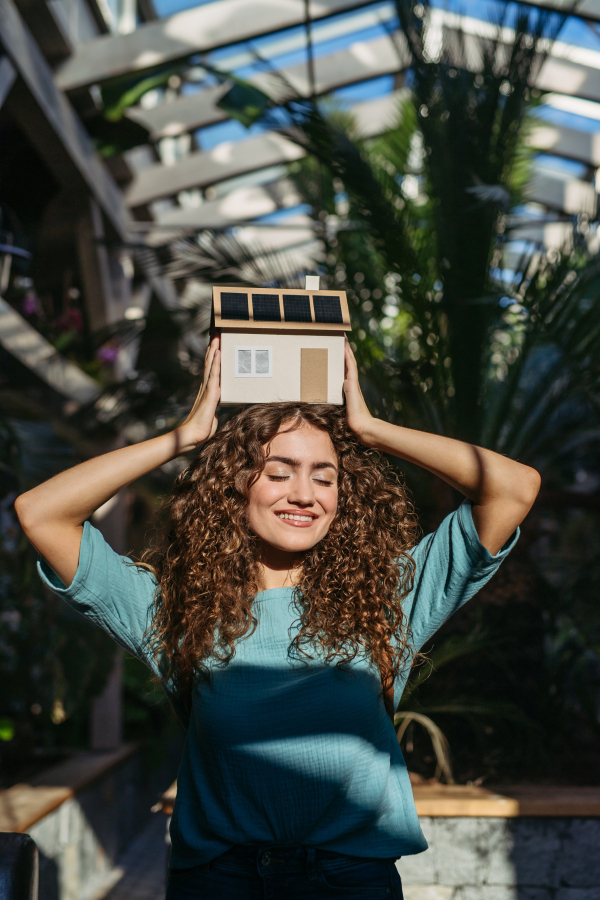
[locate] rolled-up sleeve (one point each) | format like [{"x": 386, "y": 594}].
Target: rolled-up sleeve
[
  {"x": 451, "y": 565},
  {"x": 111, "y": 591}
]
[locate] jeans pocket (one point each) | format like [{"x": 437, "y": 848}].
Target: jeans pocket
[{"x": 368, "y": 879}]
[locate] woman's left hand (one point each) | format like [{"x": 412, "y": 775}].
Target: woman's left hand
[{"x": 359, "y": 418}]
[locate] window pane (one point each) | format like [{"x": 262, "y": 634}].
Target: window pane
[
  {"x": 262, "y": 362},
  {"x": 244, "y": 362}
]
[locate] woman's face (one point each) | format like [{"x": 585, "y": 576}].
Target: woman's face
[{"x": 293, "y": 502}]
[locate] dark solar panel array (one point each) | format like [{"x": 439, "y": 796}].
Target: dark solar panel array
[
  {"x": 266, "y": 308},
  {"x": 328, "y": 309},
  {"x": 296, "y": 308},
  {"x": 234, "y": 306}
]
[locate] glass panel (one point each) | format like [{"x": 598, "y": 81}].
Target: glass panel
[
  {"x": 234, "y": 306},
  {"x": 328, "y": 309},
  {"x": 244, "y": 362},
  {"x": 296, "y": 308},
  {"x": 265, "y": 308},
  {"x": 262, "y": 362}
]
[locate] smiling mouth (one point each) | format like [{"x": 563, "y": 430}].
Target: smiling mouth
[{"x": 296, "y": 519}]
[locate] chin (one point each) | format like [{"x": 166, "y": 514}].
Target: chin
[{"x": 294, "y": 544}]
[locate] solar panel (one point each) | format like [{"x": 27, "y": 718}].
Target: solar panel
[
  {"x": 296, "y": 308},
  {"x": 328, "y": 309},
  {"x": 234, "y": 306},
  {"x": 266, "y": 308}
]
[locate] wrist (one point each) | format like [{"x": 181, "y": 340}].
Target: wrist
[
  {"x": 367, "y": 431},
  {"x": 187, "y": 439}
]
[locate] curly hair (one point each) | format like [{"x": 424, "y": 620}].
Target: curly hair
[{"x": 351, "y": 584}]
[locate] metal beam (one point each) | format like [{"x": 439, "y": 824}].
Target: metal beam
[
  {"x": 70, "y": 141},
  {"x": 186, "y": 33}
]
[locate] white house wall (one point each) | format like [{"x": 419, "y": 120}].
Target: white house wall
[{"x": 284, "y": 385}]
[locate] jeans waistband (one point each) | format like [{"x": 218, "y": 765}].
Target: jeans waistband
[{"x": 291, "y": 851}]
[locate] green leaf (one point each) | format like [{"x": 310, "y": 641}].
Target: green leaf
[
  {"x": 244, "y": 102},
  {"x": 112, "y": 138},
  {"x": 123, "y": 93}
]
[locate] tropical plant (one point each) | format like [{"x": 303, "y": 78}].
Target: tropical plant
[{"x": 52, "y": 662}]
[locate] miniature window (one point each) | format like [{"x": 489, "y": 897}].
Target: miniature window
[
  {"x": 253, "y": 362},
  {"x": 265, "y": 308},
  {"x": 296, "y": 308},
  {"x": 328, "y": 309},
  {"x": 234, "y": 306}
]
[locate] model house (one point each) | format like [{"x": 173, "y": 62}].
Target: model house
[{"x": 281, "y": 345}]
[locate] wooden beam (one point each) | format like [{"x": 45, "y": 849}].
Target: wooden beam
[
  {"x": 203, "y": 169},
  {"x": 21, "y": 340},
  {"x": 359, "y": 62},
  {"x": 8, "y": 76},
  {"x": 568, "y": 195},
  {"x": 229, "y": 160},
  {"x": 580, "y": 145},
  {"x": 239, "y": 205},
  {"x": 196, "y": 30},
  {"x": 55, "y": 130}
]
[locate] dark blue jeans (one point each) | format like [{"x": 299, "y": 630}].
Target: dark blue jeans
[{"x": 286, "y": 873}]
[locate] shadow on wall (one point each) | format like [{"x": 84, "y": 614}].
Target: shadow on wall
[{"x": 80, "y": 840}]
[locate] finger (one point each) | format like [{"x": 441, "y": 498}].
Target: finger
[
  {"x": 213, "y": 384},
  {"x": 210, "y": 354}
]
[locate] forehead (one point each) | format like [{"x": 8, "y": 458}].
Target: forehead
[{"x": 305, "y": 443}]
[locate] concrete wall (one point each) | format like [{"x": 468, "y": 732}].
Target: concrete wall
[
  {"x": 505, "y": 859},
  {"x": 80, "y": 841}
]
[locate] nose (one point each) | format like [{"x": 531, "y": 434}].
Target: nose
[{"x": 302, "y": 491}]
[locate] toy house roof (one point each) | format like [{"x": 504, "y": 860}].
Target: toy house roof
[{"x": 269, "y": 309}]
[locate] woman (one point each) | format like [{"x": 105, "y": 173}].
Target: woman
[{"x": 291, "y": 587}]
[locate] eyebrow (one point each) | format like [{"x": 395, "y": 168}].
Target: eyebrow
[{"x": 296, "y": 465}]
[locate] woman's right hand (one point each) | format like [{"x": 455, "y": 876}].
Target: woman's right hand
[{"x": 201, "y": 423}]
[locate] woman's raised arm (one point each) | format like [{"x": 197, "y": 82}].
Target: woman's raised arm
[
  {"x": 502, "y": 491},
  {"x": 52, "y": 514}
]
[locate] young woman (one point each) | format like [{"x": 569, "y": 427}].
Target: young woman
[{"x": 290, "y": 588}]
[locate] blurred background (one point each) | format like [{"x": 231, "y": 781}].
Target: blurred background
[{"x": 440, "y": 162}]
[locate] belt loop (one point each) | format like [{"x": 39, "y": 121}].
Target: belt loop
[{"x": 311, "y": 868}]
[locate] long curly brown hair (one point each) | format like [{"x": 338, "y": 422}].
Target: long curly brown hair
[{"x": 351, "y": 585}]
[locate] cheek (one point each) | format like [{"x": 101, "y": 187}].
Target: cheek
[
  {"x": 263, "y": 495},
  {"x": 329, "y": 502}
]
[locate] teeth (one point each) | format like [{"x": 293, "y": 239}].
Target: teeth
[{"x": 295, "y": 517}]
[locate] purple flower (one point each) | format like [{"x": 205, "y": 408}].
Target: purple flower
[{"x": 107, "y": 354}]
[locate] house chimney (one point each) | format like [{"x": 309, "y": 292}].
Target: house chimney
[{"x": 312, "y": 282}]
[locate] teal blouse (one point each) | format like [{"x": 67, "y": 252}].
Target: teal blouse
[{"x": 280, "y": 750}]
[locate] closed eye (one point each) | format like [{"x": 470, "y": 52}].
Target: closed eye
[{"x": 278, "y": 477}]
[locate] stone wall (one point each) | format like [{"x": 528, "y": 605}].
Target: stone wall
[{"x": 471, "y": 858}]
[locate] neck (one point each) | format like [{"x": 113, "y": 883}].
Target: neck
[{"x": 279, "y": 568}]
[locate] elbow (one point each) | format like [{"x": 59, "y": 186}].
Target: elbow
[
  {"x": 24, "y": 512},
  {"x": 529, "y": 487}
]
